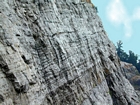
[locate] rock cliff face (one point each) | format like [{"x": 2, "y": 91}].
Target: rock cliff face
[
  {"x": 132, "y": 74},
  {"x": 56, "y": 52},
  {"x": 129, "y": 71}
]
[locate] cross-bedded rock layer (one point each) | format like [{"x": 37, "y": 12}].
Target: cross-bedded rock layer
[{"x": 56, "y": 52}]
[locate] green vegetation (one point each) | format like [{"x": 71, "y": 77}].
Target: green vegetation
[{"x": 129, "y": 58}]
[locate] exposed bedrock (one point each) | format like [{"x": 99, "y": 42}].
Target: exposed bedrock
[{"x": 56, "y": 52}]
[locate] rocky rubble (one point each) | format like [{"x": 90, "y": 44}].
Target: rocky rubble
[{"x": 56, "y": 52}]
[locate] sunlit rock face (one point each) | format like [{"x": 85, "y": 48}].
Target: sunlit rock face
[
  {"x": 132, "y": 74},
  {"x": 56, "y": 52}
]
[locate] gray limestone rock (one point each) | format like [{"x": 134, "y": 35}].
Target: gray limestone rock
[
  {"x": 56, "y": 52},
  {"x": 132, "y": 74}
]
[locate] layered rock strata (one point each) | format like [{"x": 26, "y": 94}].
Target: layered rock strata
[
  {"x": 132, "y": 74},
  {"x": 56, "y": 52}
]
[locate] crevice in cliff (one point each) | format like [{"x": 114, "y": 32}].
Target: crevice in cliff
[
  {"x": 1, "y": 98},
  {"x": 25, "y": 60}
]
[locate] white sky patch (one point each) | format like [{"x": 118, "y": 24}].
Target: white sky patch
[
  {"x": 118, "y": 15},
  {"x": 136, "y": 14},
  {"x": 128, "y": 28}
]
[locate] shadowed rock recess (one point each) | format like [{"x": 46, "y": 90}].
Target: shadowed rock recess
[{"x": 56, "y": 52}]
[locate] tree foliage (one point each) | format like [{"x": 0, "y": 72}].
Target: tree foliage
[
  {"x": 119, "y": 48},
  {"x": 130, "y": 58},
  {"x": 123, "y": 55}
]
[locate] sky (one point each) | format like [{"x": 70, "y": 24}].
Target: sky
[{"x": 121, "y": 21}]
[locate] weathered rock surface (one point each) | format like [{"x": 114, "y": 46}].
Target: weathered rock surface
[
  {"x": 129, "y": 70},
  {"x": 132, "y": 74},
  {"x": 56, "y": 52}
]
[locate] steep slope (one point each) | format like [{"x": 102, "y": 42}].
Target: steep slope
[{"x": 56, "y": 52}]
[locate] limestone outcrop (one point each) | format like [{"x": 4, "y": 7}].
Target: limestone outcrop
[
  {"x": 56, "y": 52},
  {"x": 129, "y": 70},
  {"x": 132, "y": 74}
]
